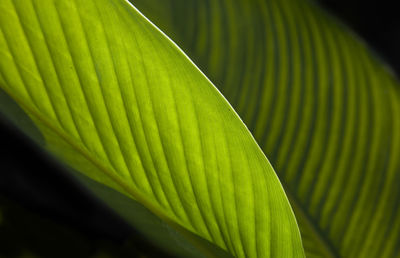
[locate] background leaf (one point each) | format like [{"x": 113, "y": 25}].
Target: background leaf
[
  {"x": 322, "y": 107},
  {"x": 119, "y": 102}
]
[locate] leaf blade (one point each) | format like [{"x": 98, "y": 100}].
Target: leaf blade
[
  {"x": 321, "y": 106},
  {"x": 121, "y": 103}
]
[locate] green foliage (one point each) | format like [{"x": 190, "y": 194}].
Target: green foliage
[
  {"x": 324, "y": 110},
  {"x": 119, "y": 102}
]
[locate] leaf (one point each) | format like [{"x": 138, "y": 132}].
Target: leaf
[
  {"x": 118, "y": 101},
  {"x": 321, "y": 106}
]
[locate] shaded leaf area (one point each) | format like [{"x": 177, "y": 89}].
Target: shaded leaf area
[
  {"x": 44, "y": 213},
  {"x": 119, "y": 102},
  {"x": 324, "y": 109},
  {"x": 35, "y": 179}
]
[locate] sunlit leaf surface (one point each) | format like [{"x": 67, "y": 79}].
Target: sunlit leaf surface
[
  {"x": 324, "y": 109},
  {"x": 119, "y": 102}
]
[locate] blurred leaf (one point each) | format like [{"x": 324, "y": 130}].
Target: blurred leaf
[
  {"x": 324, "y": 109},
  {"x": 119, "y": 102}
]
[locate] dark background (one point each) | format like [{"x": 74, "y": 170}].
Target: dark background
[
  {"x": 378, "y": 22},
  {"x": 42, "y": 210}
]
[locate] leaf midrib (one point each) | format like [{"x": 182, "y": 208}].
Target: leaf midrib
[
  {"x": 297, "y": 205},
  {"x": 133, "y": 194}
]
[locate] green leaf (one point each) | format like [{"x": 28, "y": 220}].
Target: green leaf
[
  {"x": 119, "y": 102},
  {"x": 322, "y": 107}
]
